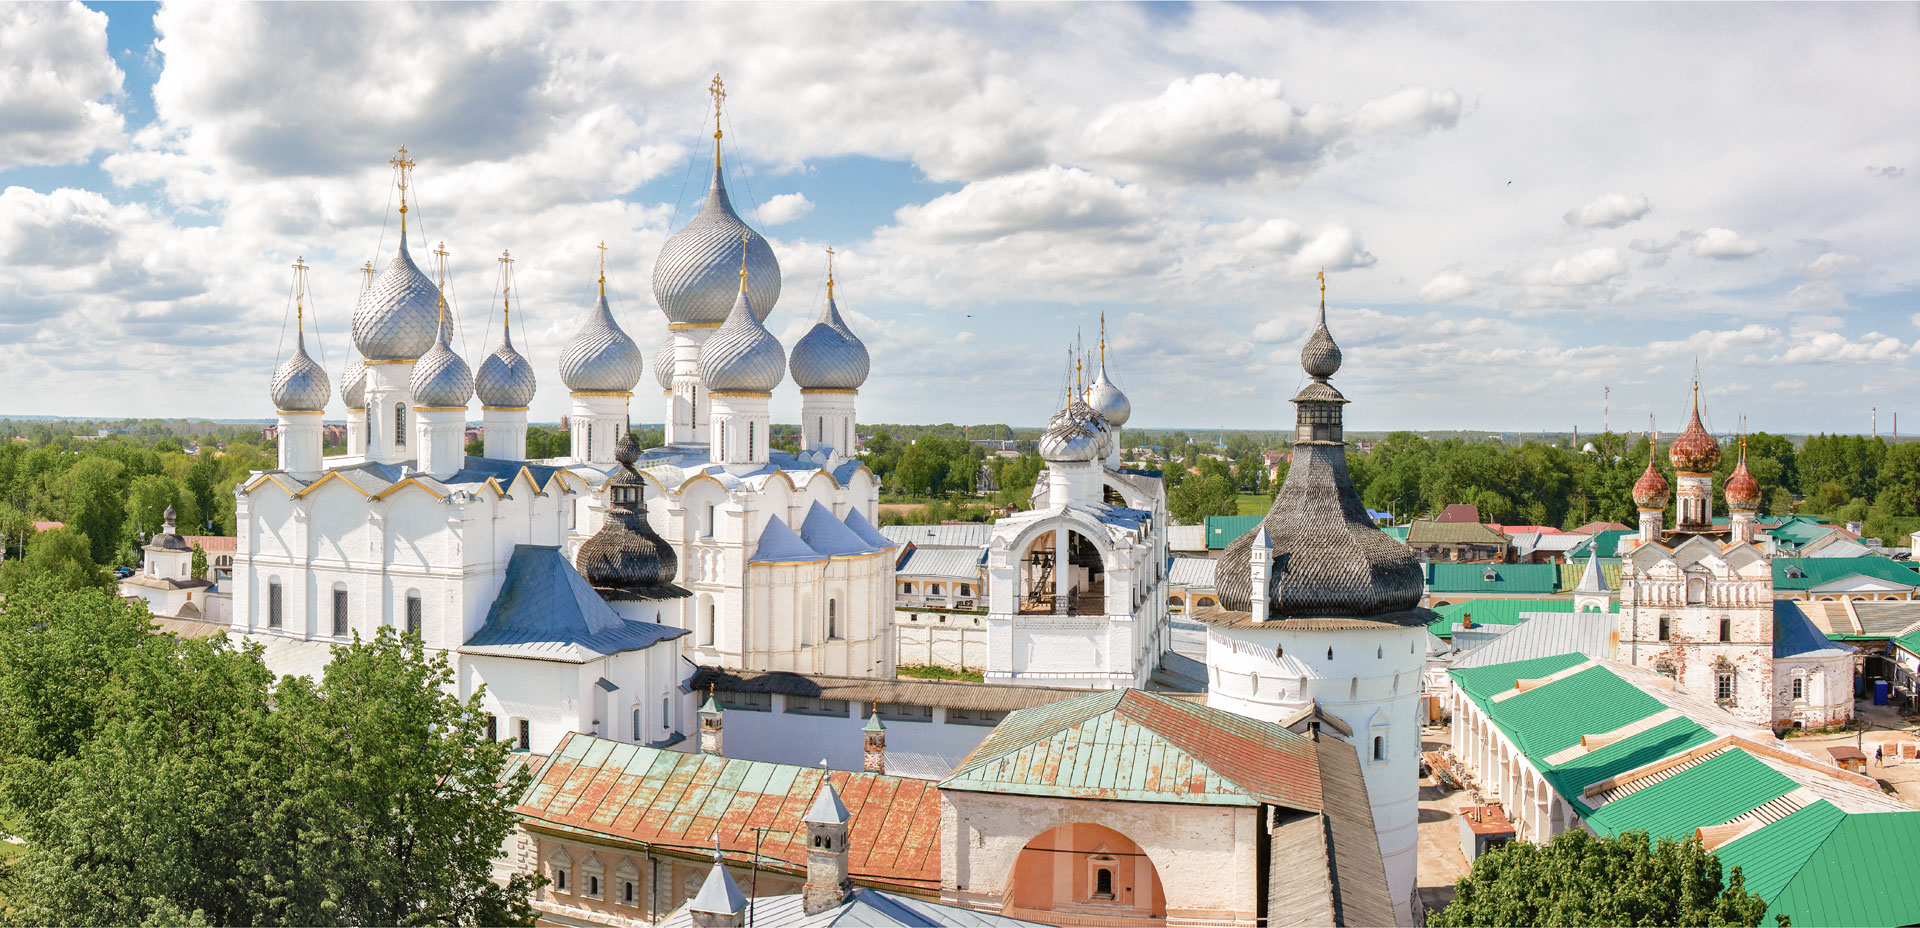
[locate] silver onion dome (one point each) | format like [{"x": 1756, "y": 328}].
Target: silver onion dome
[
  {"x": 1073, "y": 435},
  {"x": 1107, "y": 400},
  {"x": 663, "y": 365},
  {"x": 505, "y": 379},
  {"x": 830, "y": 356},
  {"x": 601, "y": 358},
  {"x": 742, "y": 356},
  {"x": 440, "y": 377},
  {"x": 1320, "y": 357},
  {"x": 353, "y": 385},
  {"x": 299, "y": 383},
  {"x": 694, "y": 278},
  {"x": 396, "y": 317}
]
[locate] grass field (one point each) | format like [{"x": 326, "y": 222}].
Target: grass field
[{"x": 1254, "y": 504}]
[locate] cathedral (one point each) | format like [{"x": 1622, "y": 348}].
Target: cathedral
[
  {"x": 572, "y": 588},
  {"x": 1697, "y": 601}
]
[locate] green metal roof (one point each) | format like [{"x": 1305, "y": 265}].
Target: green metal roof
[
  {"x": 1608, "y": 542},
  {"x": 1799, "y": 531},
  {"x": 1821, "y": 866},
  {"x": 1547, "y": 719},
  {"x": 1820, "y": 571},
  {"x": 1507, "y": 578},
  {"x": 1222, "y": 530},
  {"x": 1396, "y": 532},
  {"x": 1481, "y": 682},
  {"x": 1663, "y": 740},
  {"x": 1433, "y": 532},
  {"x": 1570, "y": 573},
  {"x": 1910, "y": 641},
  {"x": 1143, "y": 747},
  {"x": 1714, "y": 791},
  {"x": 1492, "y": 612}
]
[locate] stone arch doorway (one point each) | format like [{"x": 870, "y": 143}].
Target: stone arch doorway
[{"x": 1089, "y": 872}]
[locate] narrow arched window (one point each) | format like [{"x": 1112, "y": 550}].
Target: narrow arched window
[
  {"x": 273, "y": 603},
  {"x": 413, "y": 613},
  {"x": 693, "y": 409},
  {"x": 1103, "y": 883},
  {"x": 1666, "y": 629},
  {"x": 399, "y": 425},
  {"x": 750, "y": 442},
  {"x": 1379, "y": 747},
  {"x": 707, "y": 627},
  {"x": 820, "y": 429},
  {"x": 589, "y": 448},
  {"x": 639, "y": 725},
  {"x": 833, "y": 619},
  {"x": 339, "y": 611},
  {"x": 1726, "y": 628}
]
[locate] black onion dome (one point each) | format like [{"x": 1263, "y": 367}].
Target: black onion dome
[{"x": 626, "y": 559}]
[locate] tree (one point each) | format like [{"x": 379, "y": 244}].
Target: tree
[
  {"x": 148, "y": 499},
  {"x": 60, "y": 558},
  {"x": 95, "y": 491},
  {"x": 1579, "y": 879},
  {"x": 198, "y": 567},
  {"x": 1210, "y": 494}
]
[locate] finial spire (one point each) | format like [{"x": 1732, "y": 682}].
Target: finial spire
[
  {"x": 829, "y": 272},
  {"x": 300, "y": 296},
  {"x": 440, "y": 252},
  {"x": 405, "y": 165},
  {"x": 1103, "y": 339},
  {"x": 506, "y": 289},
  {"x": 744, "y": 238},
  {"x": 603, "y": 267},
  {"x": 1323, "y": 295},
  {"x": 718, "y": 89}
]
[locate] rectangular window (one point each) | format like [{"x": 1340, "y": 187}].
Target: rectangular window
[
  {"x": 1723, "y": 687},
  {"x": 1799, "y": 689},
  {"x": 413, "y": 614},
  {"x": 493, "y": 728},
  {"x": 814, "y": 705},
  {"x": 746, "y": 702},
  {"x": 273, "y": 604},
  {"x": 340, "y": 613},
  {"x": 526, "y": 735},
  {"x": 974, "y": 716}
]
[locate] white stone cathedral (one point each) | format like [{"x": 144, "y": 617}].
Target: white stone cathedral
[{"x": 572, "y": 588}]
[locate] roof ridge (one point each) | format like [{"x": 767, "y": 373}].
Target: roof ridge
[{"x": 976, "y": 759}]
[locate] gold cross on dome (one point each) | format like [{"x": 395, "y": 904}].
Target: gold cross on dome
[{"x": 718, "y": 89}]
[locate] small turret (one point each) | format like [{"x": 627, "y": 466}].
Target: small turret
[
  {"x": 875, "y": 738},
  {"x": 827, "y": 881},
  {"x": 720, "y": 903},
  {"x": 710, "y": 723}
]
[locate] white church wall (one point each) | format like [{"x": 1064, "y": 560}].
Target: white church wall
[
  {"x": 955, "y": 641},
  {"x": 545, "y": 693},
  {"x": 925, "y": 749}
]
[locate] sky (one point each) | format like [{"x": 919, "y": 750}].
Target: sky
[{"x": 1529, "y": 216}]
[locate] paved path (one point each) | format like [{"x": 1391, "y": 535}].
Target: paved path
[{"x": 1441, "y": 862}]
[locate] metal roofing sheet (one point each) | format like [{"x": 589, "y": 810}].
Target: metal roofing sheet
[
  {"x": 688, "y": 801},
  {"x": 1492, "y": 612},
  {"x": 1547, "y": 718},
  {"x": 956, "y": 563},
  {"x": 1794, "y": 635},
  {"x": 1505, "y": 578},
  {"x": 825, "y": 533},
  {"x": 1723, "y": 787},
  {"x": 959, "y": 535},
  {"x": 1608, "y": 542},
  {"x": 1770, "y": 858},
  {"x": 1547, "y": 634},
  {"x": 1663, "y": 740},
  {"x": 1820, "y": 571},
  {"x": 859, "y": 525},
  {"x": 779, "y": 544},
  {"x": 1571, "y": 573},
  {"x": 1887, "y": 618},
  {"x": 547, "y": 611},
  {"x": 1481, "y": 682},
  {"x": 1131, "y": 745},
  {"x": 1862, "y": 874},
  {"x": 1222, "y": 530},
  {"x": 1186, "y": 538},
  {"x": 1192, "y": 572},
  {"x": 1432, "y": 532}
]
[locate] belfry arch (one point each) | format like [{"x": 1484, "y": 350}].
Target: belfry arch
[{"x": 1051, "y": 585}]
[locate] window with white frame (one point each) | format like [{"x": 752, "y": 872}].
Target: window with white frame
[{"x": 1723, "y": 685}]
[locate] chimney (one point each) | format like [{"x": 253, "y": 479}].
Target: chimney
[
  {"x": 720, "y": 903},
  {"x": 876, "y": 738},
  {"x": 710, "y": 724},
  {"x": 827, "y": 882}
]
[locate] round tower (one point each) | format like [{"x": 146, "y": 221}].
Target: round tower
[
  {"x": 300, "y": 392},
  {"x": 505, "y": 383},
  {"x": 1320, "y": 627},
  {"x": 829, "y": 364},
  {"x": 693, "y": 282},
  {"x": 1650, "y": 494},
  {"x": 1743, "y": 499}
]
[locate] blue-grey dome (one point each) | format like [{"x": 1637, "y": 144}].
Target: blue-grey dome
[
  {"x": 299, "y": 383},
  {"x": 696, "y": 274},
  {"x": 505, "y": 379},
  {"x": 353, "y": 385},
  {"x": 440, "y": 377},
  {"x": 1107, "y": 400},
  {"x": 830, "y": 356},
  {"x": 397, "y": 314},
  {"x": 663, "y": 365},
  {"x": 601, "y": 358},
  {"x": 742, "y": 356}
]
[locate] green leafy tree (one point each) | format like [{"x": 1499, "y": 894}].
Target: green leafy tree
[
  {"x": 60, "y": 558},
  {"x": 198, "y": 567},
  {"x": 1210, "y": 494},
  {"x": 1579, "y": 879},
  {"x": 148, "y": 499},
  {"x": 95, "y": 491}
]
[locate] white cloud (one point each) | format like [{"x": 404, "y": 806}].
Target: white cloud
[
  {"x": 56, "y": 84},
  {"x": 1817, "y": 294},
  {"x": 1446, "y": 287},
  {"x": 1594, "y": 266},
  {"x": 1829, "y": 264},
  {"x": 1832, "y": 348},
  {"x": 1725, "y": 245},
  {"x": 784, "y": 207},
  {"x": 1610, "y": 211},
  {"x": 1213, "y": 128}
]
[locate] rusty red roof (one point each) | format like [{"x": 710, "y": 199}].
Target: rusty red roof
[
  {"x": 214, "y": 544},
  {"x": 1143, "y": 747},
  {"x": 665, "y": 799}
]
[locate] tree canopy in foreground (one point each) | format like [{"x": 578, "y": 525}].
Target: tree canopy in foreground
[
  {"x": 1578, "y": 879},
  {"x": 166, "y": 781}
]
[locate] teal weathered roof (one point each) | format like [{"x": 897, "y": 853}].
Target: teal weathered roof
[
  {"x": 1539, "y": 579},
  {"x": 1570, "y": 573},
  {"x": 1721, "y": 788},
  {"x": 1498, "y": 612},
  {"x": 1143, "y": 747},
  {"x": 1433, "y": 532},
  {"x": 1222, "y": 530},
  {"x": 1820, "y": 571},
  {"x": 1608, "y": 542},
  {"x": 1480, "y": 682}
]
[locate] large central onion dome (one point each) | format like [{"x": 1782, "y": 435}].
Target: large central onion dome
[
  {"x": 601, "y": 358},
  {"x": 1106, "y": 399},
  {"x": 626, "y": 559},
  {"x": 830, "y": 356},
  {"x": 505, "y": 380},
  {"x": 1650, "y": 491},
  {"x": 1329, "y": 559},
  {"x": 1694, "y": 452},
  {"x": 742, "y": 356},
  {"x": 441, "y": 378},
  {"x": 693, "y": 279},
  {"x": 299, "y": 383},
  {"x": 397, "y": 315},
  {"x": 1743, "y": 492}
]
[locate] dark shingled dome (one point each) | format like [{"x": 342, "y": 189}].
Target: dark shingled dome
[{"x": 626, "y": 558}]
